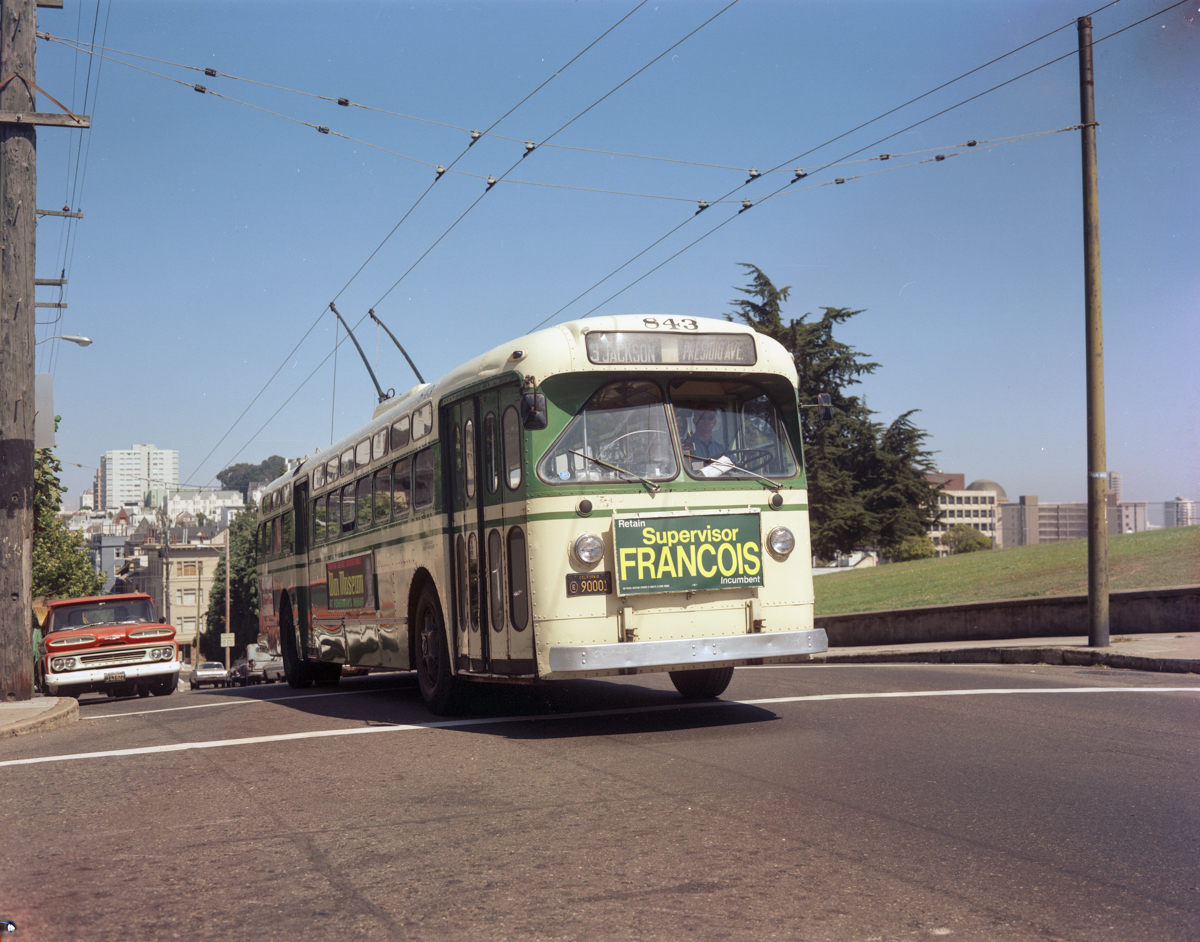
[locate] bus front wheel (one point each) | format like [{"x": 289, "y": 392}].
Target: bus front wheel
[
  {"x": 704, "y": 684},
  {"x": 299, "y": 674},
  {"x": 435, "y": 674}
]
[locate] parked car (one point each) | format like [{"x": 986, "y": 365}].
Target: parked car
[
  {"x": 263, "y": 666},
  {"x": 239, "y": 673},
  {"x": 113, "y": 644},
  {"x": 208, "y": 672}
]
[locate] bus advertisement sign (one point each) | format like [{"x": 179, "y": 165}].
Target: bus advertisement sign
[
  {"x": 685, "y": 553},
  {"x": 349, "y": 583}
]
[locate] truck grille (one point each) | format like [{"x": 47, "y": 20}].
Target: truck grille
[{"x": 117, "y": 656}]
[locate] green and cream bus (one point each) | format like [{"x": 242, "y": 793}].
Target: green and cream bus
[{"x": 615, "y": 496}]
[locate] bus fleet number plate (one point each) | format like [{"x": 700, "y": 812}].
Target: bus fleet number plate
[{"x": 589, "y": 583}]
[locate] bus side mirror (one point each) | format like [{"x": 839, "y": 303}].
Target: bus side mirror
[
  {"x": 824, "y": 407},
  {"x": 533, "y": 411}
]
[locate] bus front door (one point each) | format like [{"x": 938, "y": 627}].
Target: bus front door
[{"x": 471, "y": 643}]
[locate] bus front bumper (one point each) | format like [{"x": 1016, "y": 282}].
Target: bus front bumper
[{"x": 583, "y": 659}]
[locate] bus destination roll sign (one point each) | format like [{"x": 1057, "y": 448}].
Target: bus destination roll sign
[{"x": 683, "y": 553}]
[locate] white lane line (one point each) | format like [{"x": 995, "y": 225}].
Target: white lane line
[
  {"x": 236, "y": 701},
  {"x": 588, "y": 714}
]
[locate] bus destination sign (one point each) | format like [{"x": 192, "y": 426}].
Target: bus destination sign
[
  {"x": 350, "y": 584},
  {"x": 688, "y": 553},
  {"x": 683, "y": 349}
]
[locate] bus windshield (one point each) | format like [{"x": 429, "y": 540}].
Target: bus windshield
[
  {"x": 624, "y": 425},
  {"x": 726, "y": 429}
]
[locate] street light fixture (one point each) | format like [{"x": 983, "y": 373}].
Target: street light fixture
[{"x": 82, "y": 341}]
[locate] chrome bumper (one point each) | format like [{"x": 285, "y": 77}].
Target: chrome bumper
[
  {"x": 674, "y": 655},
  {"x": 96, "y": 675}
]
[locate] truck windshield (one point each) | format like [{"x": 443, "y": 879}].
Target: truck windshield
[{"x": 124, "y": 612}]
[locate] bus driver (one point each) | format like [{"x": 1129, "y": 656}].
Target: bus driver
[{"x": 701, "y": 443}]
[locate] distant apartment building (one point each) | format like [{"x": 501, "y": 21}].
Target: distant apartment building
[
  {"x": 976, "y": 505},
  {"x": 1029, "y": 522},
  {"x": 127, "y": 475},
  {"x": 1180, "y": 512},
  {"x": 198, "y": 500}
]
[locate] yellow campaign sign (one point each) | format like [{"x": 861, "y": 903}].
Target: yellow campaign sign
[{"x": 686, "y": 553}]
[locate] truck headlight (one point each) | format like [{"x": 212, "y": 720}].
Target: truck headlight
[
  {"x": 589, "y": 549},
  {"x": 62, "y": 664},
  {"x": 780, "y": 543}
]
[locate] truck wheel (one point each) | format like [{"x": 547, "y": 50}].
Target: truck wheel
[
  {"x": 703, "y": 684},
  {"x": 435, "y": 675},
  {"x": 166, "y": 687}
]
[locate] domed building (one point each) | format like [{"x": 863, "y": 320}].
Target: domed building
[{"x": 976, "y": 505}]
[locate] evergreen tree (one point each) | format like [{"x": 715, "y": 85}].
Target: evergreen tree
[
  {"x": 62, "y": 566},
  {"x": 866, "y": 483},
  {"x": 243, "y": 591},
  {"x": 963, "y": 539}
]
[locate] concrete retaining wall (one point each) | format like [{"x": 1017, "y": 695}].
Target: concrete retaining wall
[{"x": 1145, "y": 611}]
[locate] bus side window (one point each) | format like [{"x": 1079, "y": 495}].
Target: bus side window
[
  {"x": 458, "y": 464},
  {"x": 348, "y": 508},
  {"x": 491, "y": 471},
  {"x": 276, "y": 537},
  {"x": 512, "y": 448},
  {"x": 383, "y": 494},
  {"x": 318, "y": 519},
  {"x": 363, "y": 501},
  {"x": 518, "y": 579},
  {"x": 401, "y": 488},
  {"x": 258, "y": 542},
  {"x": 423, "y": 492},
  {"x": 289, "y": 535}
]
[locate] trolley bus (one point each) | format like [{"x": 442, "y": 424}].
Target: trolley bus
[{"x": 615, "y": 496}]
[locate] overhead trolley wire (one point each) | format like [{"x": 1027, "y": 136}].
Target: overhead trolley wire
[
  {"x": 789, "y": 185},
  {"x": 384, "y": 242}
]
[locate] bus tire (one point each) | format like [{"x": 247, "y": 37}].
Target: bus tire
[
  {"x": 326, "y": 675},
  {"x": 704, "y": 684},
  {"x": 435, "y": 674},
  {"x": 299, "y": 674}
]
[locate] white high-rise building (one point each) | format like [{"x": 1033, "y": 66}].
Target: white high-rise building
[
  {"x": 1180, "y": 512},
  {"x": 126, "y": 476}
]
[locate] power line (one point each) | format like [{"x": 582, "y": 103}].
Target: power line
[
  {"x": 391, "y": 233},
  {"x": 748, "y": 204}
]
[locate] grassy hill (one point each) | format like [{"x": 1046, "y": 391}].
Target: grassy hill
[{"x": 1135, "y": 561}]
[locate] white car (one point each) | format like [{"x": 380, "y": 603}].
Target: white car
[{"x": 208, "y": 672}]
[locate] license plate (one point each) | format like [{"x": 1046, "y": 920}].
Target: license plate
[
  {"x": 114, "y": 675},
  {"x": 589, "y": 583}
]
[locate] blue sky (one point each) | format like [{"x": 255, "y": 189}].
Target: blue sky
[{"x": 216, "y": 234}]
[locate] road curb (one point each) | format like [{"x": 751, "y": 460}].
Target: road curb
[
  {"x": 1054, "y": 656},
  {"x": 63, "y": 712}
]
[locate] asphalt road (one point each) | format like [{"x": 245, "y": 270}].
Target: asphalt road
[{"x": 876, "y": 802}]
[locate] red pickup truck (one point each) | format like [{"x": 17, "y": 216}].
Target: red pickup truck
[{"x": 111, "y": 644}]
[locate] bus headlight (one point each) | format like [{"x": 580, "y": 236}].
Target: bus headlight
[
  {"x": 781, "y": 542},
  {"x": 589, "y": 549}
]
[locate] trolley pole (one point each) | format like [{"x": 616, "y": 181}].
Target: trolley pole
[{"x": 1096, "y": 458}]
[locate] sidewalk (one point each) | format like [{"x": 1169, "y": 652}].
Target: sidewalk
[
  {"x": 33, "y": 716},
  {"x": 1164, "y": 653},
  {"x": 1167, "y": 653}
]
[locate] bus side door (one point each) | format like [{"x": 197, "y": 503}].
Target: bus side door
[{"x": 462, "y": 423}]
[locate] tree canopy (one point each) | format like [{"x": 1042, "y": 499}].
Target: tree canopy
[
  {"x": 963, "y": 539},
  {"x": 866, "y": 481},
  {"x": 62, "y": 566},
  {"x": 243, "y": 592},
  {"x": 239, "y": 477}
]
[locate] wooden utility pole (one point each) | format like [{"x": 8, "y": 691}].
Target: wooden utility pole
[
  {"x": 18, "y": 202},
  {"x": 1096, "y": 458},
  {"x": 18, "y": 206}
]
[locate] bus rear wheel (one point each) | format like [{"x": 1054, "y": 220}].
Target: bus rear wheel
[
  {"x": 703, "y": 684},
  {"x": 435, "y": 674},
  {"x": 299, "y": 674}
]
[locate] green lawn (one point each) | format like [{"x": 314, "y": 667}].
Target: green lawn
[{"x": 1135, "y": 561}]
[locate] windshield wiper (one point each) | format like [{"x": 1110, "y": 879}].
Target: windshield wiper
[
  {"x": 774, "y": 485},
  {"x": 650, "y": 484}
]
